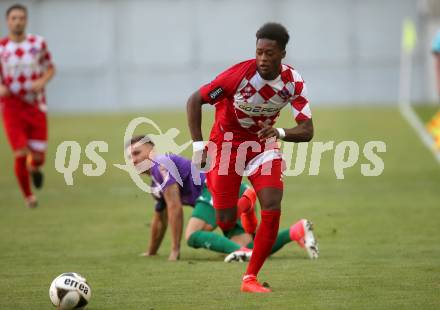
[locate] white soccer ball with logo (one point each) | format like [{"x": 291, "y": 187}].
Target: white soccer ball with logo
[{"x": 70, "y": 291}]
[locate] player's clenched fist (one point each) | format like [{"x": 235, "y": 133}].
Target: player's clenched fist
[
  {"x": 38, "y": 85},
  {"x": 267, "y": 131}
]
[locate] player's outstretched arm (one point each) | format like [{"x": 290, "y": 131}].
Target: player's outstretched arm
[
  {"x": 175, "y": 218},
  {"x": 158, "y": 229}
]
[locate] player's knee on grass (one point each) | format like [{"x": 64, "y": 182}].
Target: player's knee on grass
[
  {"x": 194, "y": 225},
  {"x": 190, "y": 241}
]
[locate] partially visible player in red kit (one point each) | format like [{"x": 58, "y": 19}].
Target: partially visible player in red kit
[
  {"x": 25, "y": 69},
  {"x": 248, "y": 98}
]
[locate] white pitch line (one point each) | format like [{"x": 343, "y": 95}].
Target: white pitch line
[{"x": 408, "y": 112}]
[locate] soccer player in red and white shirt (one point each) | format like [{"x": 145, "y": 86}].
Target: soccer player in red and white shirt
[
  {"x": 25, "y": 69},
  {"x": 248, "y": 98}
]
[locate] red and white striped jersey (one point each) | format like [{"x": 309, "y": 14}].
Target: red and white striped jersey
[
  {"x": 21, "y": 63},
  {"x": 242, "y": 98}
]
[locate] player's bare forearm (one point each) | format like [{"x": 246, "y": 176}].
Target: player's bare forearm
[
  {"x": 175, "y": 218},
  {"x": 194, "y": 115},
  {"x": 158, "y": 228},
  {"x": 39, "y": 84},
  {"x": 303, "y": 132},
  {"x": 48, "y": 75},
  {"x": 175, "y": 221},
  {"x": 4, "y": 91}
]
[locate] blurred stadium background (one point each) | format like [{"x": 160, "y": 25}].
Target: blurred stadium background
[
  {"x": 378, "y": 236},
  {"x": 119, "y": 55}
]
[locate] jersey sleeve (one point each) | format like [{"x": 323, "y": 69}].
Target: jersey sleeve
[
  {"x": 299, "y": 102},
  {"x": 436, "y": 44},
  {"x": 225, "y": 84},
  {"x": 162, "y": 177},
  {"x": 46, "y": 57}
]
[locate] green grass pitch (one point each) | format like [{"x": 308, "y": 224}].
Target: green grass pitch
[{"x": 379, "y": 236}]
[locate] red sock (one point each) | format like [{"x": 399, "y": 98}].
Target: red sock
[
  {"x": 37, "y": 159},
  {"x": 243, "y": 204},
  {"x": 247, "y": 200},
  {"x": 264, "y": 240},
  {"x": 22, "y": 175},
  {"x": 246, "y": 211}
]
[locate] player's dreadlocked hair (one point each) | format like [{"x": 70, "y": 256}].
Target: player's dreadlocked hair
[
  {"x": 274, "y": 31},
  {"x": 17, "y": 6},
  {"x": 141, "y": 138}
]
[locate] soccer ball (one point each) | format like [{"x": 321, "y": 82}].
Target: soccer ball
[{"x": 70, "y": 291}]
